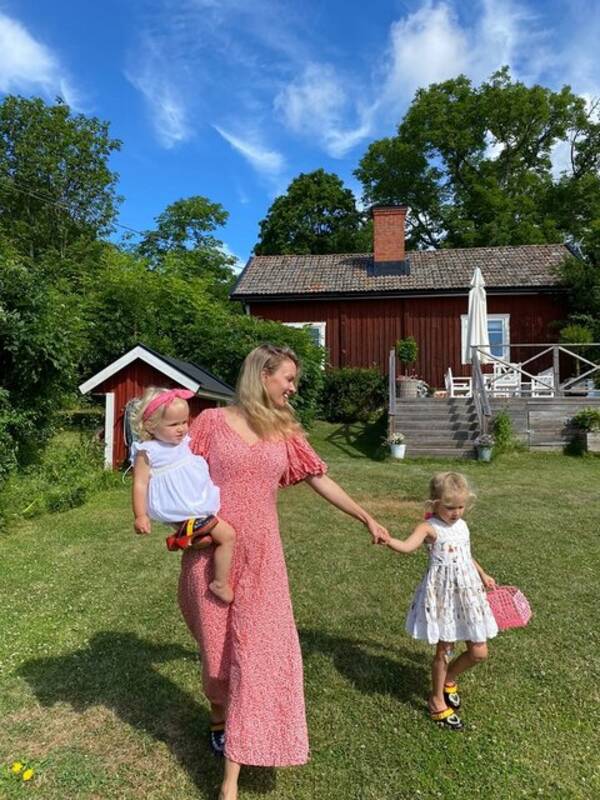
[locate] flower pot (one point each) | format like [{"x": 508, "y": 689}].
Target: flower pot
[
  {"x": 398, "y": 450},
  {"x": 592, "y": 441},
  {"x": 407, "y": 388},
  {"x": 484, "y": 453}
]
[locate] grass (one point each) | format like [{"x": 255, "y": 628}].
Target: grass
[{"x": 99, "y": 678}]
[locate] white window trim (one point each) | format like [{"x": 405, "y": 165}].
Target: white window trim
[
  {"x": 504, "y": 319},
  {"x": 109, "y": 427},
  {"x": 320, "y": 325}
]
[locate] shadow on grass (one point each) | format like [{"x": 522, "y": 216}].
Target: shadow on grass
[
  {"x": 366, "y": 438},
  {"x": 117, "y": 670},
  {"x": 372, "y": 667}
]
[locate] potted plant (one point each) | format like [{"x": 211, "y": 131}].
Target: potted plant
[
  {"x": 587, "y": 423},
  {"x": 407, "y": 351},
  {"x": 484, "y": 444},
  {"x": 396, "y": 443}
]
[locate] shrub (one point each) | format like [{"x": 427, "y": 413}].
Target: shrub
[
  {"x": 352, "y": 394},
  {"x": 503, "y": 433},
  {"x": 407, "y": 350},
  {"x": 588, "y": 419},
  {"x": 69, "y": 472}
]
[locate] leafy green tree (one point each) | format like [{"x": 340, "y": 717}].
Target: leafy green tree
[
  {"x": 56, "y": 186},
  {"x": 474, "y": 165},
  {"x": 315, "y": 215},
  {"x": 182, "y": 243}
]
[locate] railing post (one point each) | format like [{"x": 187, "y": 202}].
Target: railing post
[
  {"x": 556, "y": 370},
  {"x": 391, "y": 390}
]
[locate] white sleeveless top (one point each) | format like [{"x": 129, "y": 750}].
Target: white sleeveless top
[{"x": 180, "y": 486}]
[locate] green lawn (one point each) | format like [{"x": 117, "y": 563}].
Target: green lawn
[{"x": 99, "y": 683}]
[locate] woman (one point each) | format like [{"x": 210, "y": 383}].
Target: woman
[{"x": 251, "y": 661}]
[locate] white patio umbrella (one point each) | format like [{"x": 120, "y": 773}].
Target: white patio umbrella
[{"x": 477, "y": 326}]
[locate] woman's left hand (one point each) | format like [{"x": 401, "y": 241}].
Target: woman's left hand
[{"x": 379, "y": 534}]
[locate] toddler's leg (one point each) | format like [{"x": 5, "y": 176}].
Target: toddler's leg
[
  {"x": 439, "y": 668},
  {"x": 224, "y": 538},
  {"x": 475, "y": 653}
]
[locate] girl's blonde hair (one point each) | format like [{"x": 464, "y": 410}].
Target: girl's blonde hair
[
  {"x": 268, "y": 420},
  {"x": 144, "y": 428},
  {"x": 446, "y": 487}
]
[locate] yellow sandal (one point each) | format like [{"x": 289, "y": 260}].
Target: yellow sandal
[{"x": 448, "y": 718}]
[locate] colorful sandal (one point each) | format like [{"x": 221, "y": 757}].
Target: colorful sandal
[
  {"x": 448, "y": 719},
  {"x": 451, "y": 695},
  {"x": 217, "y": 738}
]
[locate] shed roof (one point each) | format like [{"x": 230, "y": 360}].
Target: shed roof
[
  {"x": 192, "y": 376},
  {"x": 504, "y": 268}
]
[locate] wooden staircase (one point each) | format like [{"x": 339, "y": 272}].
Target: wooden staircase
[{"x": 437, "y": 428}]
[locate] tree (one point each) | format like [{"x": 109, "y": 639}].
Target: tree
[
  {"x": 182, "y": 244},
  {"x": 315, "y": 215},
  {"x": 55, "y": 183},
  {"x": 474, "y": 165}
]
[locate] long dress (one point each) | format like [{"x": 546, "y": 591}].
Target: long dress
[
  {"x": 250, "y": 650},
  {"x": 450, "y": 603}
]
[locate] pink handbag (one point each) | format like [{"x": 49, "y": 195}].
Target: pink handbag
[{"x": 509, "y": 606}]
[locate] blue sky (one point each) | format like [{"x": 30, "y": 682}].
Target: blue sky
[{"x": 233, "y": 98}]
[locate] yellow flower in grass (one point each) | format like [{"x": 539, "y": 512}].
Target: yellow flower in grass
[
  {"x": 27, "y": 775},
  {"x": 17, "y": 767}
]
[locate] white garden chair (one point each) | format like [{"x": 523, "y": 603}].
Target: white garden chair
[
  {"x": 543, "y": 384},
  {"x": 505, "y": 380},
  {"x": 457, "y": 387}
]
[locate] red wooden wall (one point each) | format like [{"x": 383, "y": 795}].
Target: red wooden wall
[
  {"x": 130, "y": 382},
  {"x": 361, "y": 333}
]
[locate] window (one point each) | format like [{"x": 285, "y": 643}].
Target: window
[
  {"x": 499, "y": 334},
  {"x": 315, "y": 329}
]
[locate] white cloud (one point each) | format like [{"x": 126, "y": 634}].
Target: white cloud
[
  {"x": 27, "y": 65},
  {"x": 239, "y": 262},
  {"x": 315, "y": 105},
  {"x": 264, "y": 161},
  {"x": 165, "y": 103}
]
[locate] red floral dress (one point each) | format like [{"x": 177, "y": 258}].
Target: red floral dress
[{"x": 250, "y": 651}]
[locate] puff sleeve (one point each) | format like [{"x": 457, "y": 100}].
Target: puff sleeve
[
  {"x": 201, "y": 431},
  {"x": 302, "y": 461},
  {"x": 139, "y": 447}
]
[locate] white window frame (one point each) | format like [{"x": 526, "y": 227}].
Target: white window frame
[
  {"x": 320, "y": 325},
  {"x": 503, "y": 318}
]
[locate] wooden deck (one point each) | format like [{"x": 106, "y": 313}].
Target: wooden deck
[{"x": 447, "y": 427}]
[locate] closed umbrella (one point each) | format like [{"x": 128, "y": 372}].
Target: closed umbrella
[{"x": 477, "y": 326}]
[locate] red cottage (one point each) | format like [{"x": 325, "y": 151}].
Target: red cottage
[
  {"x": 131, "y": 374},
  {"x": 358, "y": 305}
]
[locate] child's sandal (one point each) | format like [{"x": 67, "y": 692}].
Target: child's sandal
[
  {"x": 451, "y": 695},
  {"x": 448, "y": 718}
]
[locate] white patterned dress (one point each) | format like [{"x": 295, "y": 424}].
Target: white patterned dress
[{"x": 450, "y": 603}]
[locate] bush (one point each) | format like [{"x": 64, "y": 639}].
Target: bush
[
  {"x": 352, "y": 394},
  {"x": 71, "y": 469},
  {"x": 503, "y": 433},
  {"x": 588, "y": 419}
]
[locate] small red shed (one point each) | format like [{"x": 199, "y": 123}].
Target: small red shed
[{"x": 131, "y": 374}]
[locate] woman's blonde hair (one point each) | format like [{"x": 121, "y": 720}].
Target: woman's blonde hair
[
  {"x": 446, "y": 487},
  {"x": 144, "y": 428},
  {"x": 268, "y": 420}
]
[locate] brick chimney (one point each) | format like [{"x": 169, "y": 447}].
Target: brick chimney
[{"x": 389, "y": 255}]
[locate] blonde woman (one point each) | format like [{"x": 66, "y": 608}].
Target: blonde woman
[{"x": 251, "y": 661}]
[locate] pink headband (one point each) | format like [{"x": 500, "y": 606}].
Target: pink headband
[{"x": 166, "y": 398}]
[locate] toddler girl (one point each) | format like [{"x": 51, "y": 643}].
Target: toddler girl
[
  {"x": 450, "y": 602},
  {"x": 172, "y": 485}
]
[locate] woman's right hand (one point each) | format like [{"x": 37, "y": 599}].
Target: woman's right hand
[
  {"x": 142, "y": 524},
  {"x": 379, "y": 534}
]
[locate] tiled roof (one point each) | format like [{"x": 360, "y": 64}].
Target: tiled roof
[{"x": 523, "y": 266}]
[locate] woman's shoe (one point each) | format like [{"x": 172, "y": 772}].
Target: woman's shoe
[
  {"x": 448, "y": 718},
  {"x": 217, "y": 738},
  {"x": 451, "y": 695}
]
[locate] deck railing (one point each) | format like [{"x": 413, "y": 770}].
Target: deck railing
[
  {"x": 480, "y": 395},
  {"x": 552, "y": 384}
]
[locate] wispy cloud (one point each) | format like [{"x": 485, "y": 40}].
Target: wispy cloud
[
  {"x": 166, "y": 106},
  {"x": 266, "y": 162},
  {"x": 316, "y": 105},
  {"x": 28, "y": 65}
]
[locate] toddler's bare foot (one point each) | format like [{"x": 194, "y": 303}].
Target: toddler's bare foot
[
  {"x": 435, "y": 706},
  {"x": 223, "y": 591}
]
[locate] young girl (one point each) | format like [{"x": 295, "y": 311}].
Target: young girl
[
  {"x": 172, "y": 485},
  {"x": 450, "y": 602}
]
